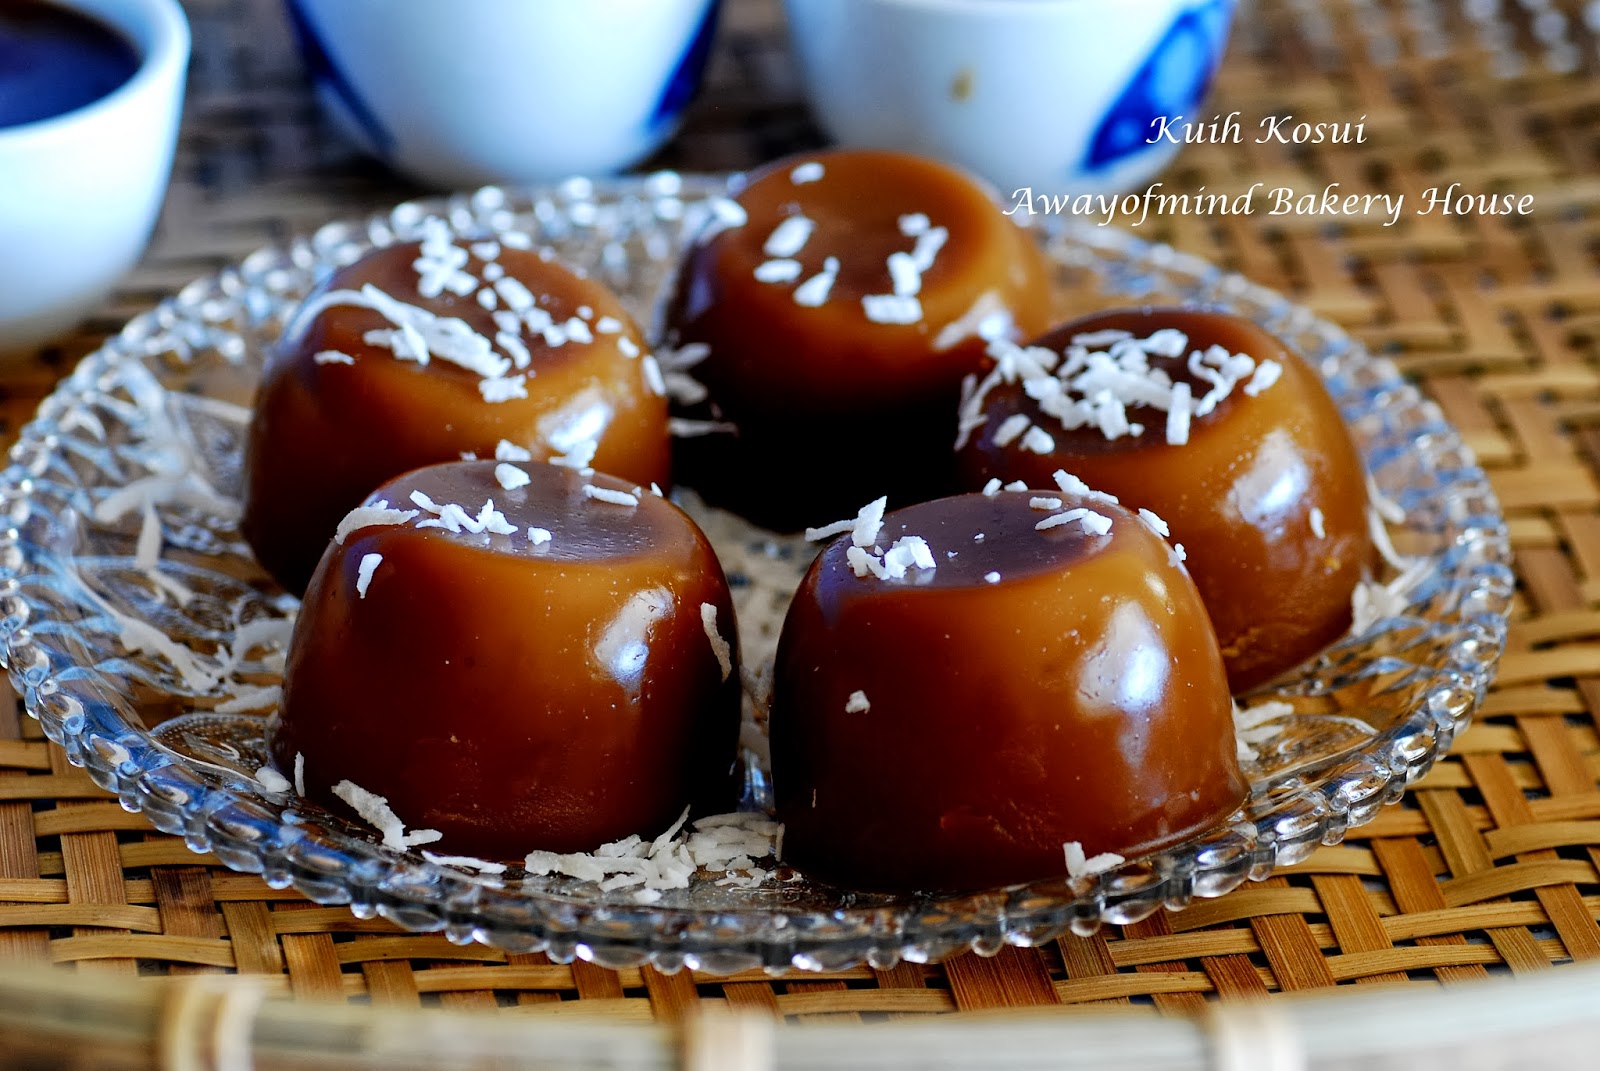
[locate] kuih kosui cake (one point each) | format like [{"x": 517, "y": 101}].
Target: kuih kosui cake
[
  {"x": 501, "y": 657},
  {"x": 995, "y": 688},
  {"x": 423, "y": 352},
  {"x": 1212, "y": 423},
  {"x": 820, "y": 332}
]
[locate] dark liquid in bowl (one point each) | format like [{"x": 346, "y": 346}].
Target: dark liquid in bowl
[{"x": 53, "y": 60}]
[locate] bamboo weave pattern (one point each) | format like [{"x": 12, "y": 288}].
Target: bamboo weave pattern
[{"x": 1490, "y": 865}]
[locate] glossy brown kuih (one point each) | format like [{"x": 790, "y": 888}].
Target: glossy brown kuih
[
  {"x": 837, "y": 322},
  {"x": 554, "y": 688},
  {"x": 1267, "y": 494},
  {"x": 345, "y": 403},
  {"x": 956, "y": 728}
]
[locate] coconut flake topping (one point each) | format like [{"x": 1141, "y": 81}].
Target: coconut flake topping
[
  {"x": 778, "y": 271},
  {"x": 1103, "y": 374},
  {"x": 1093, "y": 523},
  {"x": 417, "y": 334},
  {"x": 455, "y": 519},
  {"x": 675, "y": 363},
  {"x": 606, "y": 494},
  {"x": 815, "y": 290},
  {"x": 1010, "y": 430},
  {"x": 1154, "y": 521},
  {"x": 891, "y": 309},
  {"x": 864, "y": 527},
  {"x": 719, "y": 646},
  {"x": 510, "y": 477},
  {"x": 1072, "y": 485},
  {"x": 369, "y": 565},
  {"x": 789, "y": 237},
  {"x": 368, "y": 516},
  {"x": 1038, "y": 441},
  {"x": 503, "y": 390},
  {"x": 651, "y": 368},
  {"x": 863, "y": 554}
]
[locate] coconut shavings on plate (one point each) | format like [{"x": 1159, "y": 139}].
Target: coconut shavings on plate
[
  {"x": 465, "y": 862},
  {"x": 376, "y": 812},
  {"x": 731, "y": 844},
  {"x": 272, "y": 781},
  {"x": 1079, "y": 866}
]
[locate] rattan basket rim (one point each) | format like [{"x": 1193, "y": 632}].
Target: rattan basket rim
[{"x": 1549, "y": 1020}]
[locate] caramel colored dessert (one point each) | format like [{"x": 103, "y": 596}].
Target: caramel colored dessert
[
  {"x": 421, "y": 353},
  {"x": 832, "y": 327},
  {"x": 957, "y": 727},
  {"x": 517, "y": 657},
  {"x": 1262, "y": 486}
]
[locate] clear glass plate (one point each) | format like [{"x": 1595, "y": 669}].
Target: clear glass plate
[{"x": 159, "y": 680}]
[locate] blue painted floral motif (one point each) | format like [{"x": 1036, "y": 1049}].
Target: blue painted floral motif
[
  {"x": 680, "y": 88},
  {"x": 1172, "y": 81},
  {"x": 327, "y": 75}
]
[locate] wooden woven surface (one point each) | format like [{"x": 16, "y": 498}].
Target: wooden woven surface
[{"x": 1490, "y": 865}]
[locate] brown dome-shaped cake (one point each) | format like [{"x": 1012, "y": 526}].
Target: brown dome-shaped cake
[
  {"x": 830, "y": 320},
  {"x": 1212, "y": 423},
  {"x": 972, "y": 688},
  {"x": 514, "y": 657},
  {"x": 423, "y": 352}
]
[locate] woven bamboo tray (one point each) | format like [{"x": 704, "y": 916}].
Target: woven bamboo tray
[{"x": 1488, "y": 868}]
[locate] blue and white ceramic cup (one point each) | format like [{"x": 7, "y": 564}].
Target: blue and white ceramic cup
[
  {"x": 80, "y": 191},
  {"x": 1056, "y": 95},
  {"x": 467, "y": 92}
]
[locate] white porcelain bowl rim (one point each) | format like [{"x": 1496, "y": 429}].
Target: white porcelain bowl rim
[
  {"x": 163, "y": 43},
  {"x": 988, "y": 8}
]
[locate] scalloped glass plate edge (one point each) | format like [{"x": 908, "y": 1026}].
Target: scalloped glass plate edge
[{"x": 1443, "y": 655}]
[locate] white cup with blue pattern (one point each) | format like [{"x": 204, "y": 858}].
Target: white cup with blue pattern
[
  {"x": 459, "y": 93},
  {"x": 81, "y": 187},
  {"x": 1059, "y": 96}
]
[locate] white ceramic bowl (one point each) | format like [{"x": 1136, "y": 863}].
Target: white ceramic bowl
[
  {"x": 1056, "y": 95},
  {"x": 80, "y": 191},
  {"x": 467, "y": 92}
]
